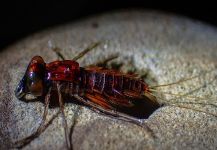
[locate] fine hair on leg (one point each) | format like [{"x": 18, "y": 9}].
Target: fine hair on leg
[
  {"x": 64, "y": 121},
  {"x": 41, "y": 128}
]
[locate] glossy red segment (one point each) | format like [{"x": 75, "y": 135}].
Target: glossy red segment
[
  {"x": 66, "y": 70},
  {"x": 36, "y": 64}
]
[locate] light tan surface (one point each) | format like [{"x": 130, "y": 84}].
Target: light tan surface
[{"x": 168, "y": 47}]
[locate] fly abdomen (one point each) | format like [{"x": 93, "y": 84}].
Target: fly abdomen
[
  {"x": 111, "y": 82},
  {"x": 92, "y": 80}
]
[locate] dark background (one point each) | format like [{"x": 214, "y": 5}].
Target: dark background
[{"x": 20, "y": 19}]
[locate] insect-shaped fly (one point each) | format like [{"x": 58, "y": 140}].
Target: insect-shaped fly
[{"x": 110, "y": 92}]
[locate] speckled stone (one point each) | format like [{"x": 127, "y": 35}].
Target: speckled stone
[{"x": 167, "y": 47}]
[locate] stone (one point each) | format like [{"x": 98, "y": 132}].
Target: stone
[{"x": 164, "y": 47}]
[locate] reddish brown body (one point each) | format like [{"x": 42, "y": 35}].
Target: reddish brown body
[
  {"x": 110, "y": 92},
  {"x": 102, "y": 88}
]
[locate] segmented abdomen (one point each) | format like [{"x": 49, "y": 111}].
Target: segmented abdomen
[
  {"x": 112, "y": 91},
  {"x": 112, "y": 83}
]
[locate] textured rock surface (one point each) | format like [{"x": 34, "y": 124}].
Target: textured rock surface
[{"x": 167, "y": 47}]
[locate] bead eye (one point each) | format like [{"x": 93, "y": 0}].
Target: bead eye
[
  {"x": 35, "y": 84},
  {"x": 32, "y": 84},
  {"x": 35, "y": 76}
]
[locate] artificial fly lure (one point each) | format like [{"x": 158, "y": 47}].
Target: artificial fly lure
[{"x": 110, "y": 92}]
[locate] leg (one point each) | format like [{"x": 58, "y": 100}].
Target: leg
[
  {"x": 63, "y": 117},
  {"x": 56, "y": 50},
  {"x": 100, "y": 63},
  {"x": 59, "y": 54},
  {"x": 83, "y": 52},
  {"x": 79, "y": 55},
  {"x": 114, "y": 114},
  {"x": 41, "y": 128},
  {"x": 111, "y": 113},
  {"x": 104, "y": 62},
  {"x": 76, "y": 113}
]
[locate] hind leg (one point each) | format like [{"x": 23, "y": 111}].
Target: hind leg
[
  {"x": 114, "y": 114},
  {"x": 64, "y": 121},
  {"x": 22, "y": 143}
]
